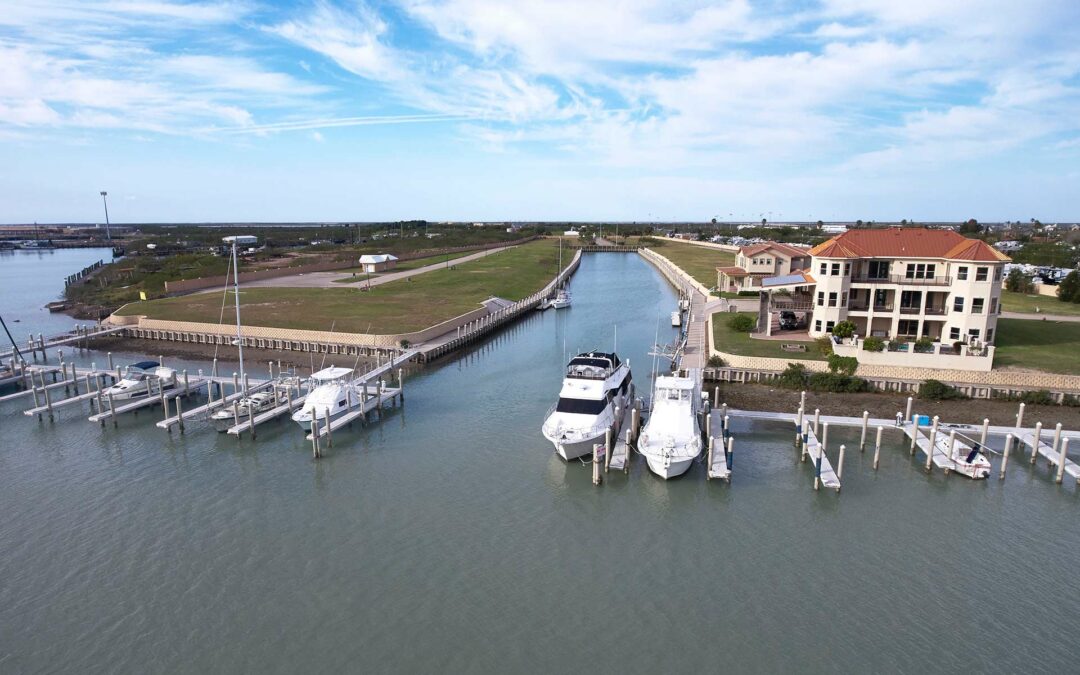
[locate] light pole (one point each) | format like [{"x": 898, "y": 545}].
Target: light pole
[{"x": 108, "y": 234}]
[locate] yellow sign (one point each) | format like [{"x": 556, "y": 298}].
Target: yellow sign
[{"x": 142, "y": 295}]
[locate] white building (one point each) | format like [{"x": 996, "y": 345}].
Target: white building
[
  {"x": 754, "y": 263},
  {"x": 377, "y": 263}
]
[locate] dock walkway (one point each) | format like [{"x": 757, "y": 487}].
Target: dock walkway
[
  {"x": 211, "y": 406},
  {"x": 719, "y": 465},
  {"x": 822, "y": 465},
  {"x": 284, "y": 409},
  {"x": 372, "y": 404},
  {"x": 109, "y": 412},
  {"x": 1047, "y": 451},
  {"x": 61, "y": 340}
]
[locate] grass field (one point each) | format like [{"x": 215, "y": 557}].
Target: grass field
[
  {"x": 396, "y": 307},
  {"x": 358, "y": 275},
  {"x": 700, "y": 262},
  {"x": 1027, "y": 304},
  {"x": 731, "y": 342},
  {"x": 1038, "y": 345}
]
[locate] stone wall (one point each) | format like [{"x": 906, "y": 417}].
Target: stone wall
[{"x": 672, "y": 272}]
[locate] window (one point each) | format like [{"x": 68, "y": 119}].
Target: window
[
  {"x": 919, "y": 271},
  {"x": 835, "y": 269},
  {"x": 829, "y": 326},
  {"x": 821, "y": 298},
  {"x": 907, "y": 327},
  {"x": 973, "y": 334},
  {"x": 982, "y": 273},
  {"x": 954, "y": 333},
  {"x": 911, "y": 299},
  {"x": 961, "y": 273},
  {"x": 993, "y": 305},
  {"x": 879, "y": 269},
  {"x": 824, "y": 269},
  {"x": 989, "y": 334},
  {"x": 847, "y": 269},
  {"x": 977, "y": 305},
  {"x": 580, "y": 406},
  {"x": 817, "y": 326},
  {"x": 843, "y": 299},
  {"x": 958, "y": 304},
  {"x": 997, "y": 277},
  {"x": 832, "y": 299}
]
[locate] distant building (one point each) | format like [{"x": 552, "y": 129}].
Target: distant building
[
  {"x": 571, "y": 233},
  {"x": 754, "y": 263},
  {"x": 377, "y": 263},
  {"x": 241, "y": 240},
  {"x": 833, "y": 228}
]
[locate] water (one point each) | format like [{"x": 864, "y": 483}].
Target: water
[
  {"x": 31, "y": 278},
  {"x": 450, "y": 538}
]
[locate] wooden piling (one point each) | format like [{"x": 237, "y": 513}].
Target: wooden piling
[
  {"x": 109, "y": 355},
  {"x": 817, "y": 419},
  {"x": 865, "y": 421},
  {"x": 607, "y": 448},
  {"x": 236, "y": 417},
  {"x": 112, "y": 410},
  {"x": 1005, "y": 456},
  {"x": 401, "y": 385},
  {"x": 708, "y": 471},
  {"x": 716, "y": 396},
  {"x": 1020, "y": 416},
  {"x": 907, "y": 410},
  {"x": 799, "y": 426},
  {"x": 915, "y": 435},
  {"x": 635, "y": 421},
  {"x": 1057, "y": 442},
  {"x": 729, "y": 457},
  {"x": 314, "y": 437},
  {"x": 180, "y": 413},
  {"x": 840, "y": 466},
  {"x": 48, "y": 404},
  {"x": 933, "y": 443},
  {"x": 877, "y": 448},
  {"x": 824, "y": 437},
  {"x": 1035, "y": 440},
  {"x": 1062, "y": 458},
  {"x": 329, "y": 435}
]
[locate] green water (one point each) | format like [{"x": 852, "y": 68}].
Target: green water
[{"x": 450, "y": 538}]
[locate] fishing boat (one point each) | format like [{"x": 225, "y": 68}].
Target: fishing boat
[
  {"x": 247, "y": 407},
  {"x": 676, "y": 319},
  {"x": 964, "y": 459},
  {"x": 334, "y": 392},
  {"x": 596, "y": 389},
  {"x": 142, "y": 379},
  {"x": 671, "y": 439}
]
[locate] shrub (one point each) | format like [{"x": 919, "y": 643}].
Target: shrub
[
  {"x": 404, "y": 344},
  {"x": 957, "y": 346},
  {"x": 936, "y": 390},
  {"x": 844, "y": 365},
  {"x": 793, "y": 377},
  {"x": 873, "y": 344},
  {"x": 1018, "y": 282},
  {"x": 1069, "y": 288},
  {"x": 824, "y": 345},
  {"x": 749, "y": 294},
  {"x": 715, "y": 361},
  {"x": 924, "y": 345},
  {"x": 837, "y": 383},
  {"x": 742, "y": 323},
  {"x": 844, "y": 329}
]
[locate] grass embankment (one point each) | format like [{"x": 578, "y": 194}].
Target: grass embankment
[
  {"x": 396, "y": 307},
  {"x": 1037, "y": 304},
  {"x": 1038, "y": 345},
  {"x": 727, "y": 340},
  {"x": 700, "y": 262},
  {"x": 121, "y": 281},
  {"x": 404, "y": 266}
]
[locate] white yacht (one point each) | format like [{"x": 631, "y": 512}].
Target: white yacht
[
  {"x": 333, "y": 392},
  {"x": 595, "y": 392},
  {"x": 671, "y": 439},
  {"x": 257, "y": 403},
  {"x": 562, "y": 299},
  {"x": 141, "y": 379}
]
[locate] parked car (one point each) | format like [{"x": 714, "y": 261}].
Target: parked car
[{"x": 788, "y": 320}]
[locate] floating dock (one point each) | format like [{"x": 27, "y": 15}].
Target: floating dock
[
  {"x": 170, "y": 421},
  {"x": 266, "y": 416},
  {"x": 373, "y": 403},
  {"x": 625, "y": 435},
  {"x": 718, "y": 457},
  {"x": 823, "y": 469},
  {"x": 110, "y": 409},
  {"x": 1051, "y": 453}
]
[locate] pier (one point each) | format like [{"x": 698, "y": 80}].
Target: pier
[
  {"x": 81, "y": 334},
  {"x": 108, "y": 408}
]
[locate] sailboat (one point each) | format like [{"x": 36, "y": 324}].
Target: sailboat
[{"x": 562, "y": 297}]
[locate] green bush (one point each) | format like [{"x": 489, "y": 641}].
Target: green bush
[
  {"x": 1069, "y": 288},
  {"x": 873, "y": 344},
  {"x": 824, "y": 345},
  {"x": 715, "y": 361},
  {"x": 749, "y": 294},
  {"x": 844, "y": 365},
  {"x": 935, "y": 390},
  {"x": 837, "y": 383},
  {"x": 1018, "y": 282},
  {"x": 844, "y": 329},
  {"x": 924, "y": 345},
  {"x": 742, "y": 323},
  {"x": 793, "y": 377}
]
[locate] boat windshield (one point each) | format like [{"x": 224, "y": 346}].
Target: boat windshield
[
  {"x": 674, "y": 394},
  {"x": 580, "y": 406}
]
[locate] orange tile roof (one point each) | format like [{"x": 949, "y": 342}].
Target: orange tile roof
[
  {"x": 789, "y": 251},
  {"x": 733, "y": 271},
  {"x": 907, "y": 242}
]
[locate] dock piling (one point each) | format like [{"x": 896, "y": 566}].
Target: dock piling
[
  {"x": 716, "y": 396},
  {"x": 112, "y": 410},
  {"x": 817, "y": 419},
  {"x": 1005, "y": 456},
  {"x": 109, "y": 355},
  {"x": 1062, "y": 458},
  {"x": 914, "y": 436},
  {"x": 180, "y": 413},
  {"x": 907, "y": 409},
  {"x": 635, "y": 415},
  {"x": 329, "y": 433},
  {"x": 1020, "y": 416},
  {"x": 236, "y": 416},
  {"x": 865, "y": 421},
  {"x": 48, "y": 404},
  {"x": 708, "y": 473},
  {"x": 877, "y": 448},
  {"x": 824, "y": 437},
  {"x": 730, "y": 457},
  {"x": 933, "y": 442},
  {"x": 952, "y": 446},
  {"x": 401, "y": 385},
  {"x": 840, "y": 466},
  {"x": 314, "y": 437},
  {"x": 1057, "y": 442},
  {"x": 1036, "y": 440},
  {"x": 799, "y": 426},
  {"x": 607, "y": 448}
]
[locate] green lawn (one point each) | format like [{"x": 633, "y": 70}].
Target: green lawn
[
  {"x": 700, "y": 262},
  {"x": 396, "y": 307},
  {"x": 404, "y": 266},
  {"x": 1041, "y": 304},
  {"x": 1038, "y": 345},
  {"x": 729, "y": 341}
]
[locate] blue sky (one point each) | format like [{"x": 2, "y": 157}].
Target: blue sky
[{"x": 479, "y": 110}]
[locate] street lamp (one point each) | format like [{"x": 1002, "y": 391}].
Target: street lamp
[{"x": 108, "y": 234}]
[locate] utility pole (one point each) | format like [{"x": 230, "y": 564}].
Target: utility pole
[{"x": 108, "y": 233}]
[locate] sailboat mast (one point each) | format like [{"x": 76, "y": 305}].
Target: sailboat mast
[{"x": 236, "y": 296}]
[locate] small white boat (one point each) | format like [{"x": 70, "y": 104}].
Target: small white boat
[
  {"x": 676, "y": 319},
  {"x": 671, "y": 439},
  {"x": 562, "y": 299},
  {"x": 255, "y": 404},
  {"x": 142, "y": 379},
  {"x": 596, "y": 390},
  {"x": 964, "y": 459},
  {"x": 333, "y": 393}
]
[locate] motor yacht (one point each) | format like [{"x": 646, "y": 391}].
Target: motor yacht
[
  {"x": 596, "y": 390},
  {"x": 142, "y": 379},
  {"x": 333, "y": 392},
  {"x": 671, "y": 439}
]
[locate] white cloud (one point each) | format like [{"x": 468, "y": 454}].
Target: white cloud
[{"x": 317, "y": 137}]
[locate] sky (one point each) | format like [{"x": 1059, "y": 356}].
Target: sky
[{"x": 632, "y": 110}]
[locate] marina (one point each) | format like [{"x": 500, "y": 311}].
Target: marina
[{"x": 497, "y": 482}]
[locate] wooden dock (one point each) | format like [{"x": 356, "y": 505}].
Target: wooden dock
[
  {"x": 209, "y": 407},
  {"x": 374, "y": 403},
  {"x": 823, "y": 468},
  {"x": 110, "y": 412},
  {"x": 79, "y": 335},
  {"x": 250, "y": 425},
  {"x": 619, "y": 458},
  {"x": 1051, "y": 454},
  {"x": 96, "y": 378},
  {"x": 718, "y": 458}
]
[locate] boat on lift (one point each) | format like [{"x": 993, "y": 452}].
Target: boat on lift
[
  {"x": 335, "y": 391},
  {"x": 596, "y": 389},
  {"x": 225, "y": 417},
  {"x": 142, "y": 379},
  {"x": 671, "y": 439}
]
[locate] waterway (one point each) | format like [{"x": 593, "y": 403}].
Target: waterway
[{"x": 450, "y": 538}]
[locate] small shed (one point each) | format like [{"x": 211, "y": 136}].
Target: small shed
[{"x": 377, "y": 263}]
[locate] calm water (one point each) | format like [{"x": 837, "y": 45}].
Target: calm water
[{"x": 451, "y": 538}]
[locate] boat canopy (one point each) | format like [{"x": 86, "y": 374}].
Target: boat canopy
[
  {"x": 144, "y": 365},
  {"x": 330, "y": 374}
]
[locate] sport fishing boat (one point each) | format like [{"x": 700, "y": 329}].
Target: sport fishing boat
[
  {"x": 671, "y": 439},
  {"x": 225, "y": 417},
  {"x": 142, "y": 379},
  {"x": 334, "y": 391},
  {"x": 596, "y": 390}
]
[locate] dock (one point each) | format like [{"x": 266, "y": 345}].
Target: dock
[
  {"x": 813, "y": 448},
  {"x": 718, "y": 459},
  {"x": 625, "y": 435},
  {"x": 284, "y": 409},
  {"x": 209, "y": 407},
  {"x": 109, "y": 410},
  {"x": 80, "y": 334},
  {"x": 374, "y": 403},
  {"x": 50, "y": 405},
  {"x": 1051, "y": 453}
]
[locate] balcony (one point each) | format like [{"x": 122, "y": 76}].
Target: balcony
[
  {"x": 901, "y": 280},
  {"x": 878, "y": 307}
]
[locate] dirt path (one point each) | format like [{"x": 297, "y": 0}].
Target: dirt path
[{"x": 763, "y": 397}]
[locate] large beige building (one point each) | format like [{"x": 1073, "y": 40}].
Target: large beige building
[
  {"x": 901, "y": 283},
  {"x": 754, "y": 263}
]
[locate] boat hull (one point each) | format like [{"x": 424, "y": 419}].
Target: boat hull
[
  {"x": 669, "y": 469},
  {"x": 574, "y": 449}
]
